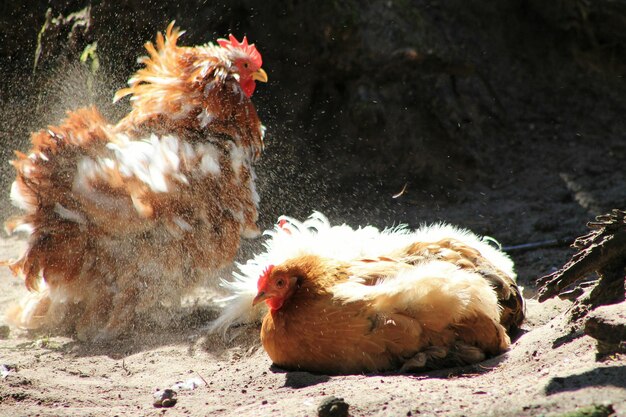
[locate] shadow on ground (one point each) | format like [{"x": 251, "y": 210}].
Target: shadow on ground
[{"x": 600, "y": 377}]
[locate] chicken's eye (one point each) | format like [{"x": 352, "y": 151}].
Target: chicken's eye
[
  {"x": 280, "y": 283},
  {"x": 245, "y": 65}
]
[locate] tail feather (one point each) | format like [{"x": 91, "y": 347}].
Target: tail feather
[
  {"x": 32, "y": 310},
  {"x": 510, "y": 299},
  {"x": 237, "y": 308}
]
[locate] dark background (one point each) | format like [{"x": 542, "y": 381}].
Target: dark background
[{"x": 507, "y": 117}]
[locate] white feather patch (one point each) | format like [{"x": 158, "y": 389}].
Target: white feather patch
[
  {"x": 69, "y": 214},
  {"x": 316, "y": 236},
  {"x": 25, "y": 315},
  {"x": 27, "y": 228},
  {"x": 237, "y": 156},
  {"x": 18, "y": 199},
  {"x": 205, "y": 118},
  {"x": 180, "y": 222},
  {"x": 154, "y": 161},
  {"x": 209, "y": 164}
]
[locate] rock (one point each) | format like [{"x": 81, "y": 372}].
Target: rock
[
  {"x": 165, "y": 398},
  {"x": 607, "y": 324},
  {"x": 333, "y": 407}
]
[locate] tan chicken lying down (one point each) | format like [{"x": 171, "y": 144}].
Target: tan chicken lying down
[
  {"x": 124, "y": 219},
  {"x": 351, "y": 301}
]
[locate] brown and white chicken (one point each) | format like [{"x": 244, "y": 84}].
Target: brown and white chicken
[
  {"x": 124, "y": 219},
  {"x": 350, "y": 301}
]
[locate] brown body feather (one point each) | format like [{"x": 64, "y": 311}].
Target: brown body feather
[{"x": 114, "y": 238}]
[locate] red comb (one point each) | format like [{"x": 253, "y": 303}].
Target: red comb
[
  {"x": 282, "y": 223},
  {"x": 250, "y": 50},
  {"x": 264, "y": 277}
]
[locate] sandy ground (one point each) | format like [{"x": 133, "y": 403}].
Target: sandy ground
[
  {"x": 560, "y": 162},
  {"x": 547, "y": 371}
]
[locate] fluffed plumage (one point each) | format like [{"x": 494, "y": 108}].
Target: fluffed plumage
[
  {"x": 123, "y": 219},
  {"x": 350, "y": 301}
]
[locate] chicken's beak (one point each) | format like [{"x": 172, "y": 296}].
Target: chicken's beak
[
  {"x": 261, "y": 296},
  {"x": 260, "y": 75}
]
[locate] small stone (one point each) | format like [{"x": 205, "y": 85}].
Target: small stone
[
  {"x": 333, "y": 407},
  {"x": 165, "y": 398},
  {"x": 5, "y": 331}
]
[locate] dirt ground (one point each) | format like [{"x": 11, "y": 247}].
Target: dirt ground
[
  {"x": 551, "y": 368},
  {"x": 535, "y": 130}
]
